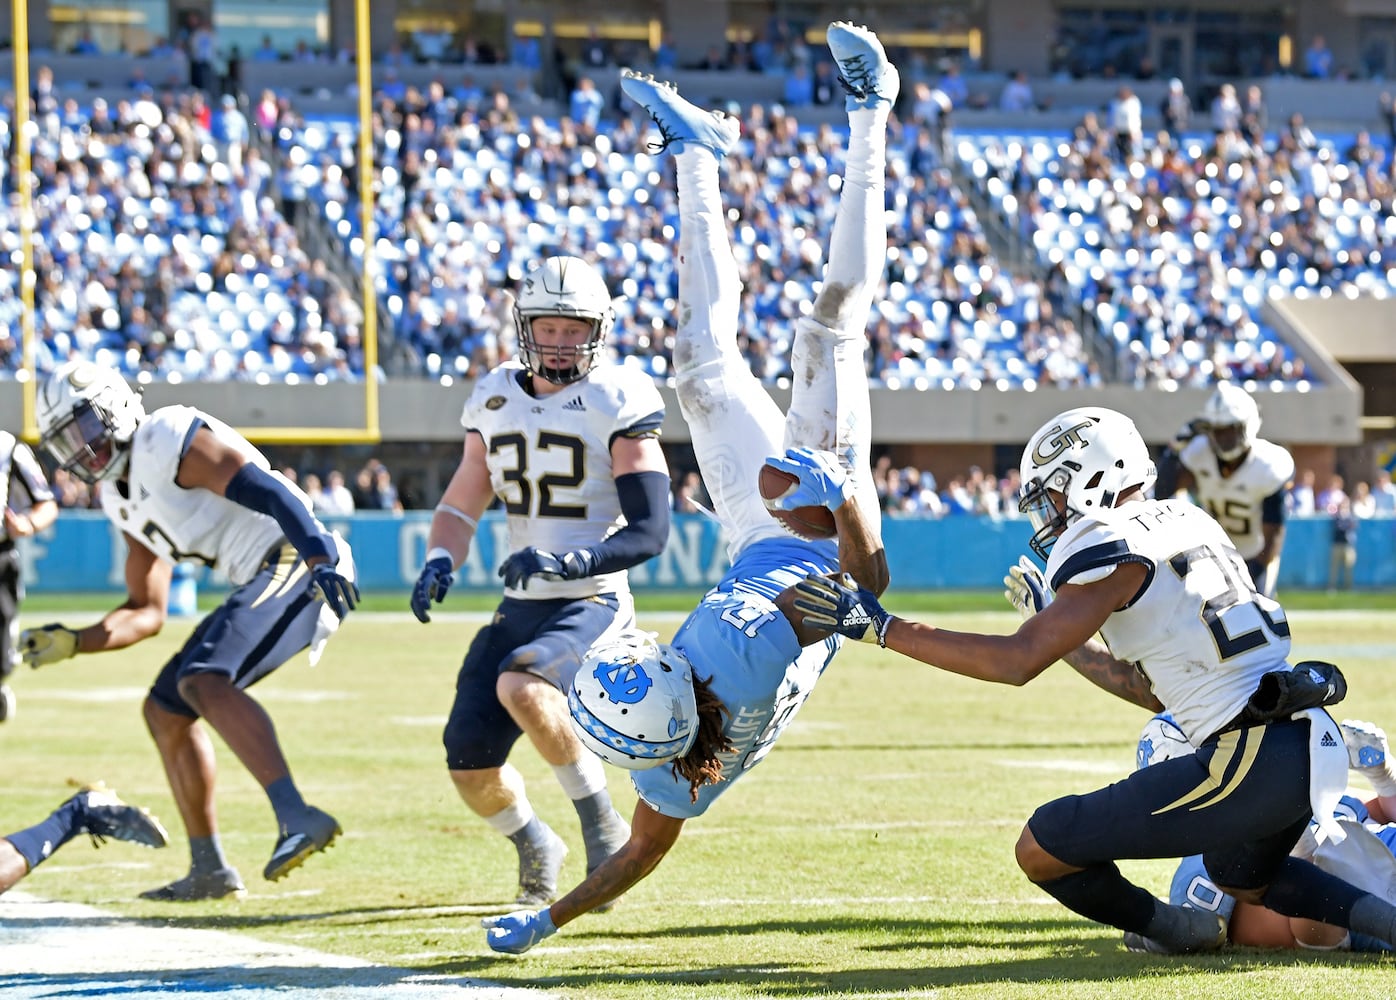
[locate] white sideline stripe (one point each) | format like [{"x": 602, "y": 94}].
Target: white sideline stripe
[
  {"x": 50, "y": 949},
  {"x": 1063, "y": 764}
]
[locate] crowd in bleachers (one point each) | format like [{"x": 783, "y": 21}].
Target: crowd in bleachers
[
  {"x": 160, "y": 248},
  {"x": 1174, "y": 242},
  {"x": 167, "y": 243},
  {"x": 472, "y": 195}
]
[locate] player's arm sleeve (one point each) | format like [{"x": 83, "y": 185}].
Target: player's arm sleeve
[
  {"x": 644, "y": 500},
  {"x": 1272, "y": 508},
  {"x": 257, "y": 489}
]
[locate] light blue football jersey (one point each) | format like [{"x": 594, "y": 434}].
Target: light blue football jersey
[{"x": 739, "y": 638}]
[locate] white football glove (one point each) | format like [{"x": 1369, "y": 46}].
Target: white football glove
[
  {"x": 1370, "y": 755},
  {"x": 1025, "y": 588},
  {"x": 47, "y": 644}
]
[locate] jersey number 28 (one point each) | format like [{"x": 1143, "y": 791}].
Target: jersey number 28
[{"x": 1237, "y": 616}]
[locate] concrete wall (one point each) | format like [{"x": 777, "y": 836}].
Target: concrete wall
[{"x": 423, "y": 411}]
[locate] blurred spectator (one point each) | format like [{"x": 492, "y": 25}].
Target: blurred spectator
[
  {"x": 1226, "y": 110},
  {"x": 266, "y": 52},
  {"x": 336, "y": 500},
  {"x": 202, "y": 47},
  {"x": 1364, "y": 505},
  {"x": 1328, "y": 499},
  {"x": 799, "y": 87},
  {"x": 1017, "y": 93},
  {"x": 85, "y": 45},
  {"x": 385, "y": 493},
  {"x": 231, "y": 132},
  {"x": 1127, "y": 122},
  {"x": 1176, "y": 109},
  {"x": 1318, "y": 59},
  {"x": 586, "y": 103},
  {"x": 953, "y": 85},
  {"x": 1301, "y": 500},
  {"x": 526, "y": 51},
  {"x": 1255, "y": 119},
  {"x": 1384, "y": 495},
  {"x": 666, "y": 56},
  {"x": 689, "y": 497},
  {"x": 1343, "y": 554}
]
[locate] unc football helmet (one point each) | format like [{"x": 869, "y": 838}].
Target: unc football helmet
[
  {"x": 1090, "y": 455},
  {"x": 87, "y": 416},
  {"x": 1231, "y": 420},
  {"x": 1160, "y": 740},
  {"x": 632, "y": 702},
  {"x": 571, "y": 288}
]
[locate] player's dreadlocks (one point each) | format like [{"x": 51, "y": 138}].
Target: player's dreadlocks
[{"x": 702, "y": 764}]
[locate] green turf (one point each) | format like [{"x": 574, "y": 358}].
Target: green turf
[
  {"x": 870, "y": 856},
  {"x": 923, "y": 601}
]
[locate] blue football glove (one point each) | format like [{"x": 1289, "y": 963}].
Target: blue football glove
[
  {"x": 519, "y": 931},
  {"x": 436, "y": 578},
  {"x": 533, "y": 561},
  {"x": 823, "y": 482},
  {"x": 339, "y": 592},
  {"x": 842, "y": 606},
  {"x": 1025, "y": 588}
]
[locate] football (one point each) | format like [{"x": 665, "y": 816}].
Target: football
[{"x": 809, "y": 523}]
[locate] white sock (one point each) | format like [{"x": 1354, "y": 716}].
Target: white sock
[
  {"x": 512, "y": 819},
  {"x": 581, "y": 779},
  {"x": 866, "y": 164}
]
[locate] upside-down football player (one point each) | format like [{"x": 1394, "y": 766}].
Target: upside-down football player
[{"x": 711, "y": 705}]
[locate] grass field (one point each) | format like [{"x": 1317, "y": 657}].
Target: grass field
[{"x": 870, "y": 856}]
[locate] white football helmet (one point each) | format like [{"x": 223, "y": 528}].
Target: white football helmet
[
  {"x": 1231, "y": 420},
  {"x": 632, "y": 702},
  {"x": 568, "y": 287},
  {"x": 1090, "y": 455},
  {"x": 1161, "y": 740},
  {"x": 87, "y": 416}
]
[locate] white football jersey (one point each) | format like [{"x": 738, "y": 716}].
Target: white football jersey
[
  {"x": 1197, "y": 629},
  {"x": 550, "y": 461},
  {"x": 1235, "y": 500},
  {"x": 177, "y": 523}
]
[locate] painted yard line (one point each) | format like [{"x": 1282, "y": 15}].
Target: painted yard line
[{"x": 52, "y": 949}]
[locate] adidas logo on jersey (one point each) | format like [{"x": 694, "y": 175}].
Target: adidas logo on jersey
[
  {"x": 1328, "y": 740},
  {"x": 575, "y": 405}
]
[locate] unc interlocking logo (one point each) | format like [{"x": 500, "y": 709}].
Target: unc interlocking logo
[
  {"x": 625, "y": 682},
  {"x": 1060, "y": 441}
]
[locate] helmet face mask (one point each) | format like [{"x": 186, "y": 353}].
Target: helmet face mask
[
  {"x": 567, "y": 288},
  {"x": 87, "y": 416},
  {"x": 1077, "y": 463},
  {"x": 632, "y": 702}
]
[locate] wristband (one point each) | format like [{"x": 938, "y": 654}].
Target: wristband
[{"x": 437, "y": 552}]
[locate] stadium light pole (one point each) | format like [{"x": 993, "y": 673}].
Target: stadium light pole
[
  {"x": 370, "y": 432},
  {"x": 22, "y": 139}
]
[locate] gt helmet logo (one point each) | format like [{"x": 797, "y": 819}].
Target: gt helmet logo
[{"x": 1060, "y": 442}]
